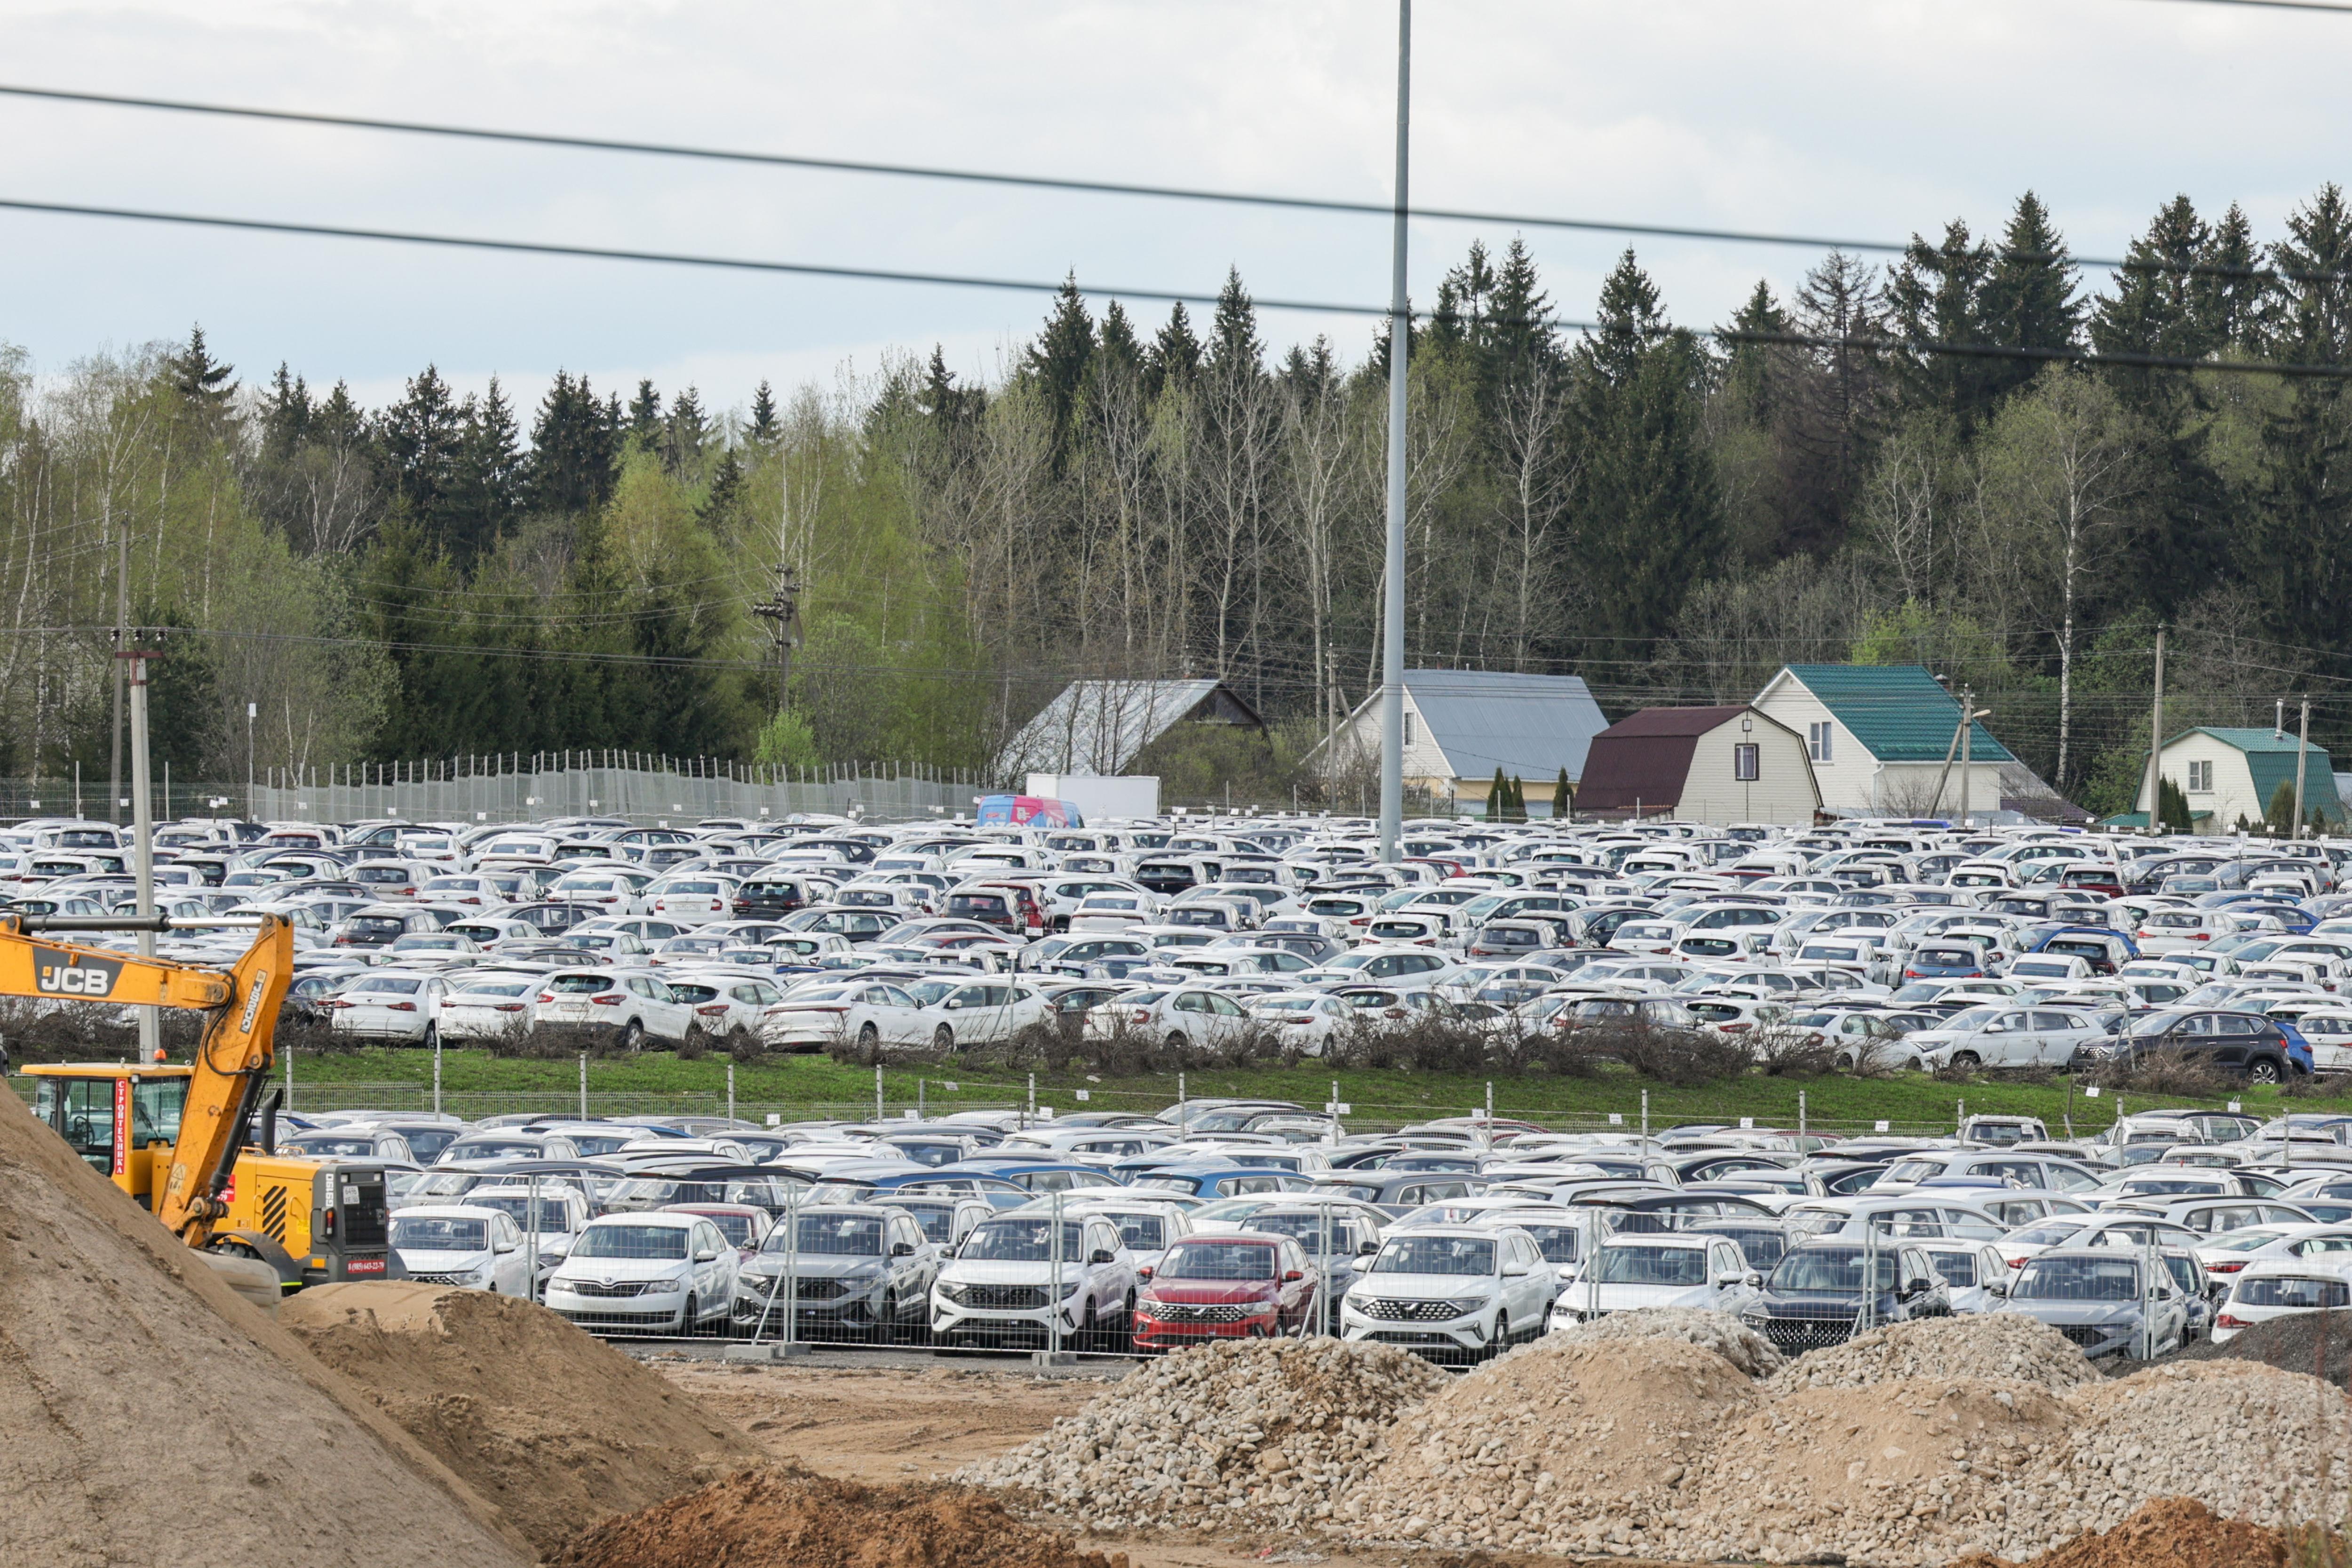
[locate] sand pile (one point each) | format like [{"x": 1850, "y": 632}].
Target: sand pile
[
  {"x": 1721, "y": 1332},
  {"x": 153, "y": 1416},
  {"x": 553, "y": 1425},
  {"x": 1998, "y": 1346},
  {"x": 2170, "y": 1533},
  {"x": 1563, "y": 1446},
  {"x": 1281, "y": 1427},
  {"x": 790, "y": 1518}
]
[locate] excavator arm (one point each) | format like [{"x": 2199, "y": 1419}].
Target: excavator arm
[{"x": 232, "y": 1059}]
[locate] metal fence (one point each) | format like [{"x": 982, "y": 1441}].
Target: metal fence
[{"x": 512, "y": 787}]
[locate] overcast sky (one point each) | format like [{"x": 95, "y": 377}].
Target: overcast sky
[{"x": 1862, "y": 118}]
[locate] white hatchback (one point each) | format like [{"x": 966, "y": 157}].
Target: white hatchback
[
  {"x": 398, "y": 1007},
  {"x": 635, "y": 1005},
  {"x": 692, "y": 900}
]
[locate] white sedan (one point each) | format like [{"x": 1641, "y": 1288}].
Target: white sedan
[
  {"x": 489, "y": 1007},
  {"x": 693, "y": 899},
  {"x": 984, "y": 1012},
  {"x": 402, "y": 1007},
  {"x": 1306, "y": 1019},
  {"x": 869, "y": 1012}
]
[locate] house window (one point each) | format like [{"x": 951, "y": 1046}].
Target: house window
[
  {"x": 1747, "y": 762},
  {"x": 1408, "y": 726},
  {"x": 1820, "y": 740},
  {"x": 2200, "y": 778}
]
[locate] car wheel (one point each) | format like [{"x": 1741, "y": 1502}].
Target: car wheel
[
  {"x": 868, "y": 1037},
  {"x": 687, "y": 1315},
  {"x": 1845, "y": 1063},
  {"x": 1502, "y": 1336},
  {"x": 632, "y": 1036},
  {"x": 1967, "y": 1061},
  {"x": 1177, "y": 1042},
  {"x": 885, "y": 1327},
  {"x": 2263, "y": 1071},
  {"x": 431, "y": 1037},
  {"x": 1089, "y": 1331},
  {"x": 942, "y": 1038}
]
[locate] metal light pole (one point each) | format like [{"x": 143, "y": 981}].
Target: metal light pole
[
  {"x": 2156, "y": 743},
  {"x": 1392, "y": 618},
  {"x": 2302, "y": 757},
  {"x": 142, "y": 842}
]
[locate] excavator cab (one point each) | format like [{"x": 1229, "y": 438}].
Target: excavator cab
[{"x": 118, "y": 1119}]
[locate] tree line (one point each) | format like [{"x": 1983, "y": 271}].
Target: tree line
[{"x": 1893, "y": 462}]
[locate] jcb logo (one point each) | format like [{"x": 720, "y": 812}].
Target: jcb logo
[{"x": 60, "y": 973}]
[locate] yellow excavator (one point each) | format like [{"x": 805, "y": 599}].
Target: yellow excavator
[{"x": 190, "y": 1141}]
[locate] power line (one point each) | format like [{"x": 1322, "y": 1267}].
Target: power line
[
  {"x": 1118, "y": 187},
  {"x": 1022, "y": 285}
]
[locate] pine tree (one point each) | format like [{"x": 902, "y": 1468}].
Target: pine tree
[
  {"x": 1175, "y": 351},
  {"x": 2172, "y": 807},
  {"x": 1757, "y": 367},
  {"x": 487, "y": 481},
  {"x": 573, "y": 445},
  {"x": 420, "y": 436},
  {"x": 1119, "y": 346},
  {"x": 685, "y": 434},
  {"x": 1234, "y": 346},
  {"x": 2029, "y": 300},
  {"x": 2292, "y": 557},
  {"x": 2233, "y": 291},
  {"x": 721, "y": 508},
  {"x": 1057, "y": 359},
  {"x": 199, "y": 377},
  {"x": 645, "y": 425},
  {"x": 765, "y": 426},
  {"x": 286, "y": 416},
  {"x": 2278, "y": 818},
  {"x": 1563, "y": 796},
  {"x": 1498, "y": 797},
  {"x": 1934, "y": 296},
  {"x": 944, "y": 402}
]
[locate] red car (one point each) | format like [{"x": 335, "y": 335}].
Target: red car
[{"x": 1229, "y": 1286}]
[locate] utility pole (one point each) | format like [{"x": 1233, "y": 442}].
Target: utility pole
[
  {"x": 143, "y": 833},
  {"x": 2155, "y": 741},
  {"x": 784, "y": 614},
  {"x": 1968, "y": 747},
  {"x": 2302, "y": 755},
  {"x": 1400, "y": 336},
  {"x": 121, "y": 648},
  {"x": 252, "y": 712}
]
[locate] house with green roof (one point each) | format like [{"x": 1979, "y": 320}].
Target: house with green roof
[
  {"x": 2230, "y": 774},
  {"x": 1879, "y": 736}
]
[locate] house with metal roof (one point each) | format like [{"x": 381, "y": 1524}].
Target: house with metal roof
[
  {"x": 1882, "y": 738},
  {"x": 2232, "y": 774},
  {"x": 1718, "y": 766},
  {"x": 1095, "y": 728},
  {"x": 1460, "y": 725}
]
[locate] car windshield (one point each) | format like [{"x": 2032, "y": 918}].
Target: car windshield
[
  {"x": 329, "y": 1143},
  {"x": 552, "y": 1210},
  {"x": 1305, "y": 1228},
  {"x": 1761, "y": 1247},
  {"x": 2049, "y": 1234},
  {"x": 1141, "y": 1232},
  {"x": 1198, "y": 1261},
  {"x": 1972, "y": 1018},
  {"x": 430, "y": 1235},
  {"x": 2250, "y": 1239},
  {"x": 2292, "y": 1291},
  {"x": 1019, "y": 1241},
  {"x": 1650, "y": 1266},
  {"x": 2154, "y": 1023},
  {"x": 833, "y": 1236},
  {"x": 2077, "y": 1280},
  {"x": 1436, "y": 1254},
  {"x": 1833, "y": 1269},
  {"x": 656, "y": 1242}
]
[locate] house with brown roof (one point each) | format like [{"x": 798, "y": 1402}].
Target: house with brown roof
[{"x": 1717, "y": 765}]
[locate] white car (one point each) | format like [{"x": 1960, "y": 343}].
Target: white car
[
  {"x": 400, "y": 1006},
  {"x": 1001, "y": 1285},
  {"x": 1114, "y": 911},
  {"x": 646, "y": 1273},
  {"x": 562, "y": 1210},
  {"x": 489, "y": 1007},
  {"x": 633, "y": 1004},
  {"x": 1454, "y": 1289},
  {"x": 2278, "y": 1289},
  {"x": 1181, "y": 1014},
  {"x": 728, "y": 1004},
  {"x": 1306, "y": 1020},
  {"x": 457, "y": 1244},
  {"x": 984, "y": 1012},
  {"x": 693, "y": 898},
  {"x": 390, "y": 878},
  {"x": 1970, "y": 1269},
  {"x": 870, "y": 1012},
  {"x": 1675, "y": 1268},
  {"x": 606, "y": 890}
]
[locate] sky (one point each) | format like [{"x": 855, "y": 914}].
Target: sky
[{"x": 1868, "y": 119}]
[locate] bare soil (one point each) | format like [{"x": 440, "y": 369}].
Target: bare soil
[
  {"x": 151, "y": 1415},
  {"x": 2170, "y": 1532},
  {"x": 558, "y": 1428}
]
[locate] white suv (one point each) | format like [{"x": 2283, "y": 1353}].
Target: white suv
[
  {"x": 633, "y": 1002},
  {"x": 1001, "y": 1283},
  {"x": 1451, "y": 1288}
]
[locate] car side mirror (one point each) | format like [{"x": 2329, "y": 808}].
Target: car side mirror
[
  {"x": 706, "y": 1256},
  {"x": 1368, "y": 1248},
  {"x": 1996, "y": 1286},
  {"x": 1100, "y": 1255},
  {"x": 1514, "y": 1272},
  {"x": 1753, "y": 1279},
  {"x": 903, "y": 1249},
  {"x": 1144, "y": 1272},
  {"x": 506, "y": 1247}
]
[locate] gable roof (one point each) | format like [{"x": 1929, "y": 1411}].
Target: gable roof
[
  {"x": 1094, "y": 728},
  {"x": 1898, "y": 712},
  {"x": 1690, "y": 721},
  {"x": 1530, "y": 726},
  {"x": 1643, "y": 760},
  {"x": 2270, "y": 759}
]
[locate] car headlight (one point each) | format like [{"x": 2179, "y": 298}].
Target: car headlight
[
  {"x": 951, "y": 1291},
  {"x": 1074, "y": 1287},
  {"x": 1467, "y": 1306}
]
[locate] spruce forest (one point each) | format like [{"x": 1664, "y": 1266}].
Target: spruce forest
[{"x": 1669, "y": 512}]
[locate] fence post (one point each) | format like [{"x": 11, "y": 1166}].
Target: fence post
[
  {"x": 877, "y": 1091},
  {"x": 1801, "y": 1113},
  {"x": 530, "y": 1242},
  {"x": 436, "y": 1072},
  {"x": 1053, "y": 1292},
  {"x": 583, "y": 1085},
  {"x": 730, "y": 1091}
]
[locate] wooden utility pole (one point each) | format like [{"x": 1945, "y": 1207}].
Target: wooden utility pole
[{"x": 2302, "y": 756}]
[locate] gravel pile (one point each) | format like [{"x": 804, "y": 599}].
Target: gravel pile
[
  {"x": 1281, "y": 1428},
  {"x": 1998, "y": 1346},
  {"x": 1569, "y": 1445},
  {"x": 1721, "y": 1332}
]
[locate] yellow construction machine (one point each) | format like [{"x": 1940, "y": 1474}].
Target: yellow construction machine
[{"x": 180, "y": 1138}]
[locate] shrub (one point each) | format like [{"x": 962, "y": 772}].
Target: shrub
[
  {"x": 1791, "y": 1053},
  {"x": 2167, "y": 1072}
]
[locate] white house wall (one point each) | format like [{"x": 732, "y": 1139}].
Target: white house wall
[
  {"x": 2233, "y": 794},
  {"x": 1782, "y": 793}
]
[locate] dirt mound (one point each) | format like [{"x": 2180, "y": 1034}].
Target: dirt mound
[
  {"x": 553, "y": 1425},
  {"x": 2316, "y": 1342},
  {"x": 1997, "y": 1346},
  {"x": 790, "y": 1518},
  {"x": 1279, "y": 1425},
  {"x": 1907, "y": 1471},
  {"x": 2248, "y": 1441},
  {"x": 2170, "y": 1532},
  {"x": 153, "y": 1416},
  {"x": 1721, "y": 1332},
  {"x": 1563, "y": 1446}
]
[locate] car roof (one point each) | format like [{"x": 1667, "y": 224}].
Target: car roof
[{"x": 671, "y": 1219}]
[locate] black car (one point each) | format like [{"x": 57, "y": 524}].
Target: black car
[
  {"x": 2243, "y": 1044},
  {"x": 770, "y": 897},
  {"x": 1817, "y": 1293}
]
